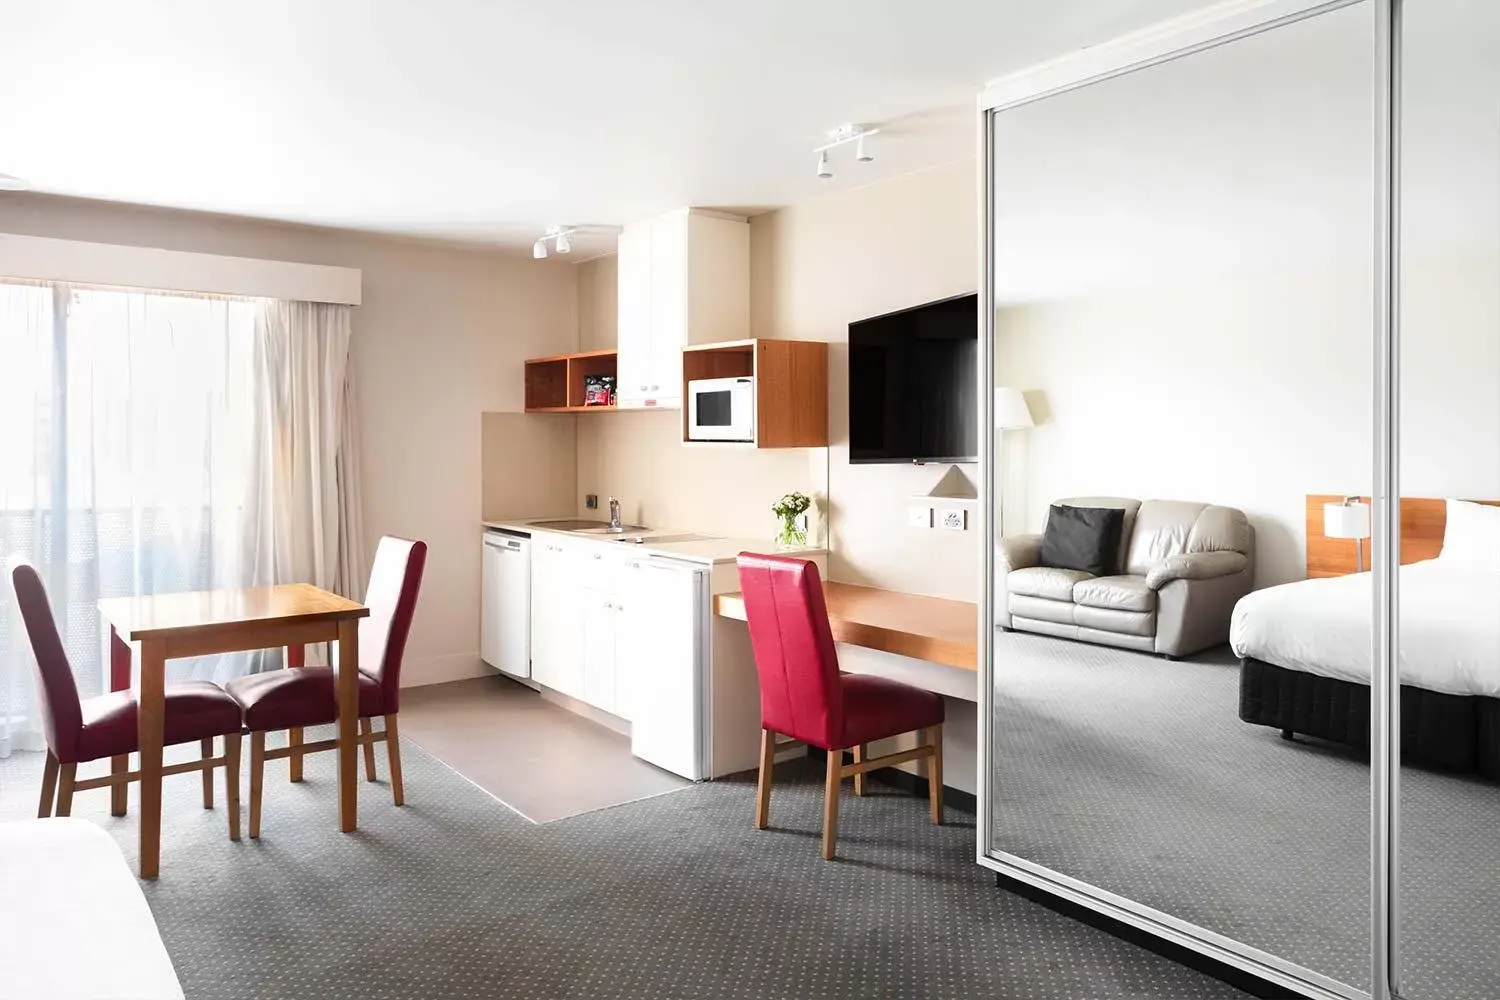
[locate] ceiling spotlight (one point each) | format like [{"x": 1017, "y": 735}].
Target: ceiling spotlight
[
  {"x": 9, "y": 183},
  {"x": 539, "y": 249},
  {"x": 852, "y": 132},
  {"x": 563, "y": 243}
]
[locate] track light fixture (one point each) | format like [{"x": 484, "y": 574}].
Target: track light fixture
[
  {"x": 843, "y": 135},
  {"x": 561, "y": 238}
]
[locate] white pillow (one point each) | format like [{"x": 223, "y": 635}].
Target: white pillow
[{"x": 1471, "y": 539}]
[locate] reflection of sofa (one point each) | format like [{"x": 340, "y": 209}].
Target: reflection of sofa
[{"x": 1181, "y": 568}]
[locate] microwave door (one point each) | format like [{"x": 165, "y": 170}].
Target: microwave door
[{"x": 715, "y": 411}]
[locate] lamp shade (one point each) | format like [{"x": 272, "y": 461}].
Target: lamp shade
[
  {"x": 1346, "y": 520},
  {"x": 1011, "y": 411}
]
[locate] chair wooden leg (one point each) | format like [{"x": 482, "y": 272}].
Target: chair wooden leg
[
  {"x": 935, "y": 775},
  {"x": 257, "y": 775},
  {"x": 294, "y": 740},
  {"x": 763, "y": 780},
  {"x": 393, "y": 753},
  {"x": 119, "y": 795},
  {"x": 67, "y": 774},
  {"x": 366, "y": 728},
  {"x": 49, "y": 787},
  {"x": 232, "y": 782},
  {"x": 859, "y": 779},
  {"x": 207, "y": 746},
  {"x": 831, "y": 803}
]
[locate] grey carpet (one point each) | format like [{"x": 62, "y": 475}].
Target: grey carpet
[
  {"x": 1136, "y": 775},
  {"x": 455, "y": 896}
]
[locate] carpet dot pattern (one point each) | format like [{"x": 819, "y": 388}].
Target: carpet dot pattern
[
  {"x": 1136, "y": 775},
  {"x": 455, "y": 896}
]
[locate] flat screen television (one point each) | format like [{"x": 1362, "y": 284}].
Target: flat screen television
[{"x": 913, "y": 384}]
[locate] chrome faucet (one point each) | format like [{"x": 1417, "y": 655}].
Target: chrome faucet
[{"x": 614, "y": 515}]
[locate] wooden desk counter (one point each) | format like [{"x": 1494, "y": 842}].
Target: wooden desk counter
[{"x": 923, "y": 628}]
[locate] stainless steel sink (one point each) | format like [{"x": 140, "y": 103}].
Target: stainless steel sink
[
  {"x": 582, "y": 524},
  {"x": 665, "y": 539}
]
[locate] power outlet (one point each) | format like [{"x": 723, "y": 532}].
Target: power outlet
[
  {"x": 591, "y": 501},
  {"x": 918, "y": 516},
  {"x": 953, "y": 519}
]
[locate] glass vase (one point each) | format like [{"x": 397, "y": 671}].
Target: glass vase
[{"x": 791, "y": 534}]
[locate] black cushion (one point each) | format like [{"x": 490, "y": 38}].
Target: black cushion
[{"x": 1083, "y": 538}]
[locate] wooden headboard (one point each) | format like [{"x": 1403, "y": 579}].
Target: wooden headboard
[{"x": 1423, "y": 521}]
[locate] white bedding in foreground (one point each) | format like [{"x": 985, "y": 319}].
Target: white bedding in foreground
[
  {"x": 73, "y": 922},
  {"x": 1449, "y": 628}
]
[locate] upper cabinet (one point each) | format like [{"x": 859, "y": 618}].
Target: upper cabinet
[{"x": 684, "y": 279}]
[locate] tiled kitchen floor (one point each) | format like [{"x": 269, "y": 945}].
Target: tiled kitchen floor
[{"x": 541, "y": 760}]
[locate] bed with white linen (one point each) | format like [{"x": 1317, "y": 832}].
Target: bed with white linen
[
  {"x": 1305, "y": 651},
  {"x": 73, "y": 922}
]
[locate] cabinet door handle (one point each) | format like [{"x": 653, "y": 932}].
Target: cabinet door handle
[{"x": 598, "y": 556}]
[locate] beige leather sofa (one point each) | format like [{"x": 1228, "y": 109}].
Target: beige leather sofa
[{"x": 1182, "y": 567}]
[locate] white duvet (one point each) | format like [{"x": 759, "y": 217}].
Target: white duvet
[{"x": 1449, "y": 627}]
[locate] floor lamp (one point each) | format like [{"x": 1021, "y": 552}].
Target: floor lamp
[{"x": 1011, "y": 414}]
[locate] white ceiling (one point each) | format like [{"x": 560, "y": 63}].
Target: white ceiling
[{"x": 488, "y": 119}]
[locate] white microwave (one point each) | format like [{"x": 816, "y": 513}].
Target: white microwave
[{"x": 721, "y": 409}]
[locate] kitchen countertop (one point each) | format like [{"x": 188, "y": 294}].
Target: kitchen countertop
[{"x": 710, "y": 550}]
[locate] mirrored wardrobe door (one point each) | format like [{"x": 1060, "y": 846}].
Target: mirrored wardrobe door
[
  {"x": 1448, "y": 881},
  {"x": 1183, "y": 270}
]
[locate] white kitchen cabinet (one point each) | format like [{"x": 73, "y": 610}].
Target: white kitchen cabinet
[
  {"x": 684, "y": 278},
  {"x": 633, "y": 330},
  {"x": 556, "y": 603},
  {"x": 600, "y": 618}
]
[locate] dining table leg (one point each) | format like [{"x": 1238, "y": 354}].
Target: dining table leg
[
  {"x": 119, "y": 680},
  {"x": 150, "y": 718},
  {"x": 348, "y": 698}
]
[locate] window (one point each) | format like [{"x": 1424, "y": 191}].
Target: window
[{"x": 128, "y": 445}]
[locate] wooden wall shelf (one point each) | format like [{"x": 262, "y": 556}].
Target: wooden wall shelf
[
  {"x": 791, "y": 387},
  {"x": 555, "y": 384}
]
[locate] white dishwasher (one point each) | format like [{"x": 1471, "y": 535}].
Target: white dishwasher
[{"x": 505, "y": 619}]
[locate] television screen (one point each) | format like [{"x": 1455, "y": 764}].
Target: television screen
[{"x": 913, "y": 384}]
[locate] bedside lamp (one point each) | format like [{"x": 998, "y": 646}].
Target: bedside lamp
[
  {"x": 1011, "y": 414},
  {"x": 1349, "y": 519}
]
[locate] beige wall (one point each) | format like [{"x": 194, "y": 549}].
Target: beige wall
[
  {"x": 818, "y": 266},
  {"x": 598, "y": 303},
  {"x": 438, "y": 341}
]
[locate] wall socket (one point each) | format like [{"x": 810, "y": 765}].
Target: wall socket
[
  {"x": 918, "y": 516},
  {"x": 953, "y": 518},
  {"x": 591, "y": 501}
]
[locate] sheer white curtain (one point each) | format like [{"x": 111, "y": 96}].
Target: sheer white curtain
[
  {"x": 127, "y": 447},
  {"x": 152, "y": 443}
]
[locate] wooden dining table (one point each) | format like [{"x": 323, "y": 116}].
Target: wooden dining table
[{"x": 168, "y": 626}]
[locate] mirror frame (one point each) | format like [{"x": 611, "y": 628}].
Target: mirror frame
[{"x": 1226, "y": 22}]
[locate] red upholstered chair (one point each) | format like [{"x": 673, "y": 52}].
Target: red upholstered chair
[
  {"x": 80, "y": 730},
  {"x": 301, "y": 696},
  {"x": 803, "y": 695}
]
